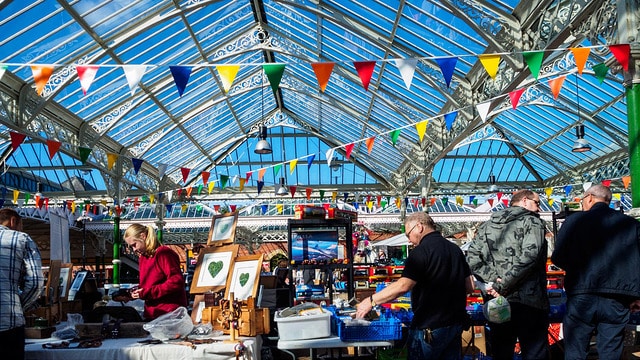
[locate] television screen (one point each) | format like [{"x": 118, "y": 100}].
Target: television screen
[{"x": 318, "y": 245}]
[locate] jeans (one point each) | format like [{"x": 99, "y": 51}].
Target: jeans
[
  {"x": 12, "y": 343},
  {"x": 589, "y": 312},
  {"x": 445, "y": 344},
  {"x": 529, "y": 326}
]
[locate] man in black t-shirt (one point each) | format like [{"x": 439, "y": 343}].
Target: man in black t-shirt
[{"x": 439, "y": 279}]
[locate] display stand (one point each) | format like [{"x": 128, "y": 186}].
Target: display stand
[{"x": 311, "y": 252}]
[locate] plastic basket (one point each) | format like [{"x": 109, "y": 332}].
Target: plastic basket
[{"x": 377, "y": 330}]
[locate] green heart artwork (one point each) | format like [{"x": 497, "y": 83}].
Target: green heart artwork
[
  {"x": 244, "y": 277},
  {"x": 215, "y": 267},
  {"x": 224, "y": 228}
]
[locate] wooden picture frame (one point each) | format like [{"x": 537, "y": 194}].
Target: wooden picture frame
[
  {"x": 53, "y": 281},
  {"x": 223, "y": 229},
  {"x": 213, "y": 268},
  {"x": 66, "y": 272},
  {"x": 245, "y": 277},
  {"x": 198, "y": 307}
]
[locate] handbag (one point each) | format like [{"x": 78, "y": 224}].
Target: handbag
[{"x": 497, "y": 310}]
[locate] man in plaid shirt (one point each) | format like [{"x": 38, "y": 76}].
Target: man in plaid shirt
[{"x": 21, "y": 281}]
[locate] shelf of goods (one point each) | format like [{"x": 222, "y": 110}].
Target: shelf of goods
[{"x": 367, "y": 278}]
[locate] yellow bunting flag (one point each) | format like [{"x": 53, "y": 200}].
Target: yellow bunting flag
[
  {"x": 398, "y": 202},
  {"x": 152, "y": 199},
  {"x": 279, "y": 208},
  {"x": 16, "y": 193},
  {"x": 227, "y": 75},
  {"x": 292, "y": 165},
  {"x": 550, "y": 202},
  {"x": 73, "y": 207},
  {"x": 183, "y": 207},
  {"x": 548, "y": 191},
  {"x": 111, "y": 160},
  {"x": 369, "y": 205},
  {"x": 616, "y": 196},
  {"x": 41, "y": 75},
  {"x": 211, "y": 185},
  {"x": 421, "y": 127},
  {"x": 334, "y": 195},
  {"x": 490, "y": 63}
]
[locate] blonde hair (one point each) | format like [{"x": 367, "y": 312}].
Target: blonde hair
[{"x": 151, "y": 242}]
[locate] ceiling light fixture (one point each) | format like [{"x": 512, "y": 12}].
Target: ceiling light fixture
[
  {"x": 493, "y": 187},
  {"x": 263, "y": 146},
  {"x": 581, "y": 144},
  {"x": 281, "y": 189}
]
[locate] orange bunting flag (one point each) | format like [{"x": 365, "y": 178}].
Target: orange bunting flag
[
  {"x": 421, "y": 127},
  {"x": 621, "y": 52},
  {"x": 556, "y": 85},
  {"x": 348, "y": 149},
  {"x": 261, "y": 173},
  {"x": 16, "y": 139},
  {"x": 53, "y": 147},
  {"x": 378, "y": 200},
  {"x": 86, "y": 74},
  {"x": 242, "y": 182},
  {"x": 626, "y": 180},
  {"x": 111, "y": 160},
  {"x": 308, "y": 192},
  {"x": 398, "y": 202},
  {"x": 580, "y": 55},
  {"x": 606, "y": 183},
  {"x": 515, "y": 97},
  {"x": 369, "y": 143},
  {"x": 323, "y": 73},
  {"x": 227, "y": 75},
  {"x": 189, "y": 190},
  {"x": 365, "y": 71},
  {"x": 432, "y": 201},
  {"x": 41, "y": 75},
  {"x": 490, "y": 63},
  {"x": 185, "y": 174}
]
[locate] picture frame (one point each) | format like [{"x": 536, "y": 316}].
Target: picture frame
[
  {"x": 198, "y": 307},
  {"x": 53, "y": 281},
  {"x": 213, "y": 268},
  {"x": 76, "y": 285},
  {"x": 66, "y": 271},
  {"x": 244, "y": 277},
  {"x": 223, "y": 229}
]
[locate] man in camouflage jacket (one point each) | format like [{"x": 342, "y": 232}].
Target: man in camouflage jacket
[{"x": 509, "y": 254}]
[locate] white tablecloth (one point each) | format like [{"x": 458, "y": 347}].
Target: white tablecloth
[{"x": 130, "y": 349}]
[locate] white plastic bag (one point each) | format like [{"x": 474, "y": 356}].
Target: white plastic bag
[
  {"x": 173, "y": 325},
  {"x": 497, "y": 310}
]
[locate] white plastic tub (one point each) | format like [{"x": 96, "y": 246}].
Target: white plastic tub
[{"x": 304, "y": 326}]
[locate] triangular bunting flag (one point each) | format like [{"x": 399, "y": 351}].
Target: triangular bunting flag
[
  {"x": 586, "y": 185},
  {"x": 264, "y": 208},
  {"x": 41, "y": 75},
  {"x": 86, "y": 74},
  {"x": 515, "y": 97},
  {"x": 185, "y": 174},
  {"x": 348, "y": 149},
  {"x": 310, "y": 160},
  {"x": 242, "y": 181},
  {"x": 276, "y": 169},
  {"x": 621, "y": 52},
  {"x": 329, "y": 156},
  {"x": 365, "y": 71},
  {"x": 394, "y": 136},
  {"x": 274, "y": 74},
  {"x": 137, "y": 163},
  {"x": 134, "y": 74},
  {"x": 490, "y": 63},
  {"x": 292, "y": 165},
  {"x": 407, "y": 68},
  {"x": 580, "y": 56},
  {"x": 84, "y": 153},
  {"x": 447, "y": 67},
  {"x": 227, "y": 74},
  {"x": 162, "y": 169},
  {"x": 261, "y": 173},
  {"x": 16, "y": 193},
  {"x": 321, "y": 195},
  {"x": 323, "y": 72},
  {"x": 16, "y": 139},
  {"x": 534, "y": 61},
  {"x": 548, "y": 191},
  {"x": 248, "y": 175},
  {"x": 567, "y": 190},
  {"x": 210, "y": 186},
  {"x": 279, "y": 208},
  {"x": 223, "y": 181},
  {"x": 626, "y": 180},
  {"x": 205, "y": 177},
  {"x": 555, "y": 85},
  {"x": 606, "y": 183},
  {"x": 181, "y": 76},
  {"x": 601, "y": 71},
  {"x": 189, "y": 190},
  {"x": 483, "y": 110},
  {"x": 369, "y": 143},
  {"x": 449, "y": 119},
  {"x": 111, "y": 160},
  {"x": 292, "y": 189},
  {"x": 421, "y": 127}
]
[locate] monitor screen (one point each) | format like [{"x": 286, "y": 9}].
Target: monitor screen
[{"x": 318, "y": 245}]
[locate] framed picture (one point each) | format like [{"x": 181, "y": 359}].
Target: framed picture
[
  {"x": 76, "y": 285},
  {"x": 65, "y": 280},
  {"x": 53, "y": 281},
  {"x": 223, "y": 229},
  {"x": 213, "y": 268},
  {"x": 245, "y": 277},
  {"x": 198, "y": 306}
]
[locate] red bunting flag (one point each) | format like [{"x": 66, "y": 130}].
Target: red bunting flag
[
  {"x": 53, "y": 147},
  {"x": 16, "y": 139},
  {"x": 233, "y": 208},
  {"x": 621, "y": 52},
  {"x": 205, "y": 177},
  {"x": 308, "y": 191},
  {"x": 365, "y": 71},
  {"x": 490, "y": 201},
  {"x": 515, "y": 97},
  {"x": 606, "y": 183},
  {"x": 293, "y": 188},
  {"x": 185, "y": 174},
  {"x": 348, "y": 149}
]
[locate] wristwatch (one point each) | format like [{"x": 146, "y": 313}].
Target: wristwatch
[{"x": 373, "y": 303}]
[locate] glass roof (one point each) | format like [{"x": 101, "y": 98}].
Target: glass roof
[{"x": 176, "y": 115}]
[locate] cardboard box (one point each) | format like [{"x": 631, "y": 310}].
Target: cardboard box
[
  {"x": 39, "y": 332},
  {"x": 474, "y": 341},
  {"x": 304, "y": 327}
]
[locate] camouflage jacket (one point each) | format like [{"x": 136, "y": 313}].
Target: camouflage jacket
[{"x": 511, "y": 246}]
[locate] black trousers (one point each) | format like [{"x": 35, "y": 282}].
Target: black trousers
[
  {"x": 12, "y": 343},
  {"x": 529, "y": 326}
]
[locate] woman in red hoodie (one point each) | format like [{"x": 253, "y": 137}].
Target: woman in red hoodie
[{"x": 161, "y": 282}]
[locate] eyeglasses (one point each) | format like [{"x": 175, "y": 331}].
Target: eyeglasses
[
  {"x": 535, "y": 201},
  {"x": 585, "y": 196},
  {"x": 409, "y": 232}
]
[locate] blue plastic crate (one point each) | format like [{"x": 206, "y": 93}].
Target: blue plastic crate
[{"x": 377, "y": 330}]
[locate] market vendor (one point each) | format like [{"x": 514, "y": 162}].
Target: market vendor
[
  {"x": 439, "y": 279},
  {"x": 161, "y": 282}
]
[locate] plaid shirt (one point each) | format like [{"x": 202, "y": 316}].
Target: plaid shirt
[{"x": 21, "y": 277}]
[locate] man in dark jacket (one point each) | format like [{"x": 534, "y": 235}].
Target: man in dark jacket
[
  {"x": 509, "y": 253},
  {"x": 600, "y": 253}
]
